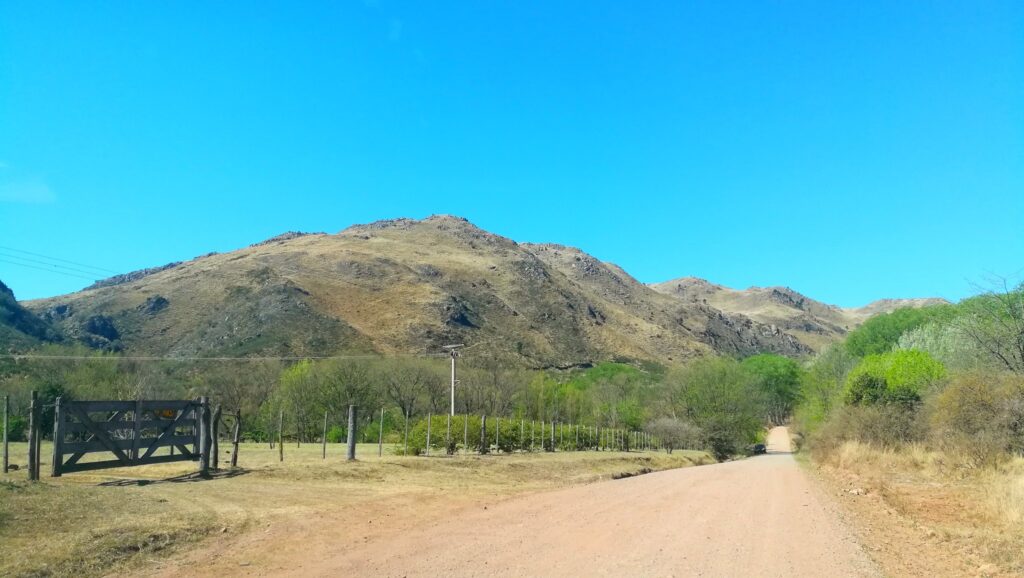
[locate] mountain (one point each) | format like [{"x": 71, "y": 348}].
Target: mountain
[
  {"x": 814, "y": 323},
  {"x": 20, "y": 328},
  {"x": 403, "y": 286}
]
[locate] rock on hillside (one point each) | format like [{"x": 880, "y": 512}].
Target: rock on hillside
[
  {"x": 405, "y": 286},
  {"x": 20, "y": 328},
  {"x": 814, "y": 323}
]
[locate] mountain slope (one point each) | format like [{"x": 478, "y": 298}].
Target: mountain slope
[
  {"x": 403, "y": 286},
  {"x": 814, "y": 323},
  {"x": 20, "y": 328}
]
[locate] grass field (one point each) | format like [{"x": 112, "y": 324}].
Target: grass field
[{"x": 107, "y": 521}]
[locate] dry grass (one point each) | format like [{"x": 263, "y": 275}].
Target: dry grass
[
  {"x": 102, "y": 522},
  {"x": 977, "y": 513}
]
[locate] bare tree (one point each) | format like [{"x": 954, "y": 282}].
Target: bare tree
[{"x": 994, "y": 320}]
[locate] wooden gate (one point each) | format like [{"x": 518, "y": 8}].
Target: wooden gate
[{"x": 131, "y": 431}]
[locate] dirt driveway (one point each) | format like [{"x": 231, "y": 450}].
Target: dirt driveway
[{"x": 753, "y": 517}]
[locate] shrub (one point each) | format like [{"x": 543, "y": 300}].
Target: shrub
[
  {"x": 980, "y": 417},
  {"x": 897, "y": 377},
  {"x": 882, "y": 426},
  {"x": 674, "y": 433},
  {"x": 880, "y": 333},
  {"x": 337, "y": 434}
]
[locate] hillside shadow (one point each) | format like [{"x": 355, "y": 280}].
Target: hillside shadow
[{"x": 182, "y": 479}]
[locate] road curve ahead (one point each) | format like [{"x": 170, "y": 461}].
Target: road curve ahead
[{"x": 756, "y": 517}]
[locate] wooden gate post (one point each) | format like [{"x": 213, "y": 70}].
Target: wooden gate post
[
  {"x": 32, "y": 425},
  {"x": 58, "y": 439},
  {"x": 6, "y": 457},
  {"x": 204, "y": 436},
  {"x": 351, "y": 433},
  {"x": 215, "y": 434},
  {"x": 234, "y": 438}
]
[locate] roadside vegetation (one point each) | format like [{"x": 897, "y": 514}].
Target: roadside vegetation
[
  {"x": 723, "y": 404},
  {"x": 927, "y": 407}
]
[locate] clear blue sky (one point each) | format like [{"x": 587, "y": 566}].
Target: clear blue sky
[{"x": 852, "y": 151}]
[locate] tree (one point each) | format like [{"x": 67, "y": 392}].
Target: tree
[
  {"x": 881, "y": 333},
  {"x": 994, "y": 320},
  {"x": 721, "y": 398},
  {"x": 779, "y": 379},
  {"x": 899, "y": 377},
  {"x": 674, "y": 433}
]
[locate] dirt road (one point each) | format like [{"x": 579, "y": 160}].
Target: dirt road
[{"x": 754, "y": 517}]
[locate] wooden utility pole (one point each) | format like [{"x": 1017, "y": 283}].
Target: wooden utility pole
[{"x": 454, "y": 352}]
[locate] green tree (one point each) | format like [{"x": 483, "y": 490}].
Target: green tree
[
  {"x": 779, "y": 379},
  {"x": 721, "y": 398},
  {"x": 895, "y": 377},
  {"x": 882, "y": 332}
]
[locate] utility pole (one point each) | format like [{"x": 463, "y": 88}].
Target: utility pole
[{"x": 454, "y": 351}]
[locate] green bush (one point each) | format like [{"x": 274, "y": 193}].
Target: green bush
[
  {"x": 337, "y": 434},
  {"x": 779, "y": 379},
  {"x": 898, "y": 377},
  {"x": 980, "y": 416}
]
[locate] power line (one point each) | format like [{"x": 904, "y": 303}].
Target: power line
[
  {"x": 37, "y": 261},
  {"x": 48, "y": 270},
  {"x": 58, "y": 259}
]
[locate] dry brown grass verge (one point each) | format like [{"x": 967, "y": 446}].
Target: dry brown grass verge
[{"x": 921, "y": 513}]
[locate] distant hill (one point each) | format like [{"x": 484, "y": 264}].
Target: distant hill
[
  {"x": 814, "y": 323},
  {"x": 404, "y": 286},
  {"x": 20, "y": 328}
]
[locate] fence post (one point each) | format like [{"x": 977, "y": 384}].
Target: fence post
[
  {"x": 235, "y": 438},
  {"x": 405, "y": 452},
  {"x": 31, "y": 437},
  {"x": 351, "y": 433},
  {"x": 204, "y": 436},
  {"x": 465, "y": 434},
  {"x": 323, "y": 442},
  {"x": 429, "y": 419},
  {"x": 7, "y": 448},
  {"x": 522, "y": 434},
  {"x": 215, "y": 435},
  {"x": 448, "y": 436},
  {"x": 484, "y": 445},
  {"x": 380, "y": 436},
  {"x": 531, "y": 435},
  {"x": 497, "y": 434},
  {"x": 58, "y": 439},
  {"x": 552, "y": 435},
  {"x": 280, "y": 436},
  {"x": 577, "y": 437}
]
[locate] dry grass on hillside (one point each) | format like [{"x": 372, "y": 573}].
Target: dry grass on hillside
[{"x": 103, "y": 522}]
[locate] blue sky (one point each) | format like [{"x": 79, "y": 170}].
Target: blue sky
[{"x": 851, "y": 151}]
